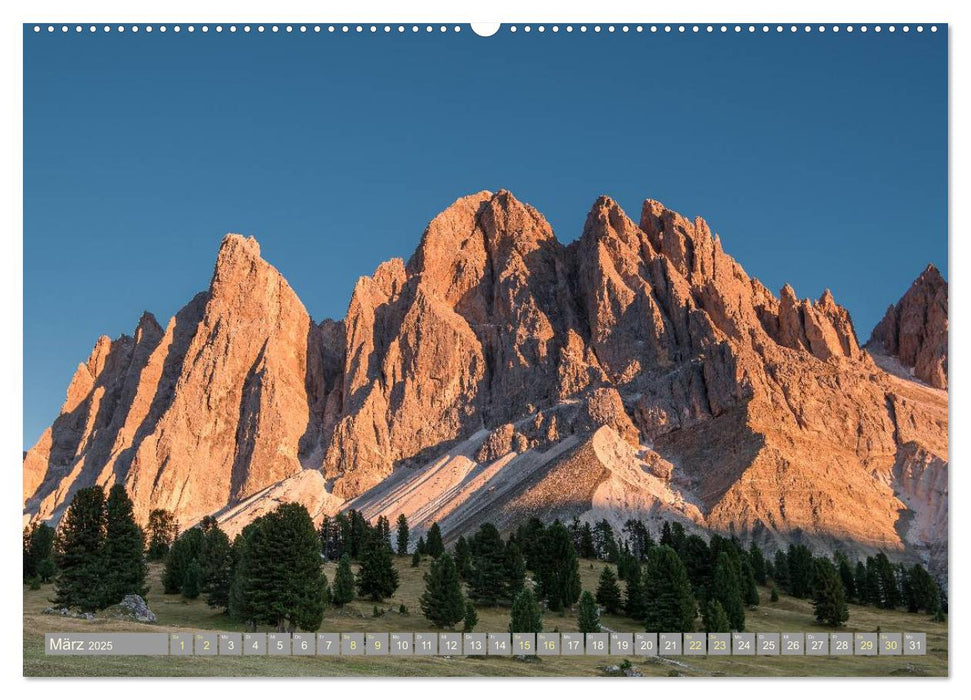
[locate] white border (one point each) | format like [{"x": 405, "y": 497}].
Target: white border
[{"x": 423, "y": 11}]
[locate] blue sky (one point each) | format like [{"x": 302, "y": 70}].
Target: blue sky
[{"x": 820, "y": 159}]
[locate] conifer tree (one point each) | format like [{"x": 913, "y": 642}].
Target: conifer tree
[
  {"x": 487, "y": 581},
  {"x": 216, "y": 560},
  {"x": 800, "y": 561},
  {"x": 525, "y": 615},
  {"x": 442, "y": 603},
  {"x": 123, "y": 553},
  {"x": 699, "y": 562},
  {"x": 434, "y": 547},
  {"x": 920, "y": 591},
  {"x": 670, "y": 605},
  {"x": 608, "y": 592},
  {"x": 416, "y": 559},
  {"x": 774, "y": 595},
  {"x": 402, "y": 535},
  {"x": 284, "y": 583},
  {"x": 586, "y": 548},
  {"x": 377, "y": 578},
  {"x": 463, "y": 557},
  {"x": 39, "y": 551},
  {"x": 588, "y": 615},
  {"x": 860, "y": 583},
  {"x": 239, "y": 608},
  {"x": 714, "y": 617},
  {"x": 187, "y": 548},
  {"x": 80, "y": 540},
  {"x": 846, "y": 576},
  {"x": 342, "y": 591},
  {"x": 421, "y": 549},
  {"x": 829, "y": 599},
  {"x": 192, "y": 579},
  {"x": 634, "y": 597},
  {"x": 780, "y": 570},
  {"x": 725, "y": 588},
  {"x": 515, "y": 569},
  {"x": 559, "y": 574},
  {"x": 471, "y": 618},
  {"x": 889, "y": 590},
  {"x": 757, "y": 559},
  {"x": 750, "y": 592},
  {"x": 162, "y": 531},
  {"x": 604, "y": 541}
]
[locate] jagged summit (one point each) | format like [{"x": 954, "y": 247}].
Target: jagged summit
[{"x": 521, "y": 376}]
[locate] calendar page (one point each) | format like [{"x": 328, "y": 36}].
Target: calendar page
[{"x": 519, "y": 349}]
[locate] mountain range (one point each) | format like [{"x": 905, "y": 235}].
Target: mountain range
[{"x": 499, "y": 374}]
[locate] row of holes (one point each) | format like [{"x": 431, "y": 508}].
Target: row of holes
[{"x": 513, "y": 28}]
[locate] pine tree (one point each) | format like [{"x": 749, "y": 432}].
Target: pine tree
[
  {"x": 800, "y": 561},
  {"x": 80, "y": 540},
  {"x": 829, "y": 600},
  {"x": 162, "y": 531},
  {"x": 471, "y": 618},
  {"x": 604, "y": 542},
  {"x": 187, "y": 548},
  {"x": 402, "y": 535},
  {"x": 123, "y": 553},
  {"x": 515, "y": 569},
  {"x": 608, "y": 592},
  {"x": 559, "y": 574},
  {"x": 588, "y": 615},
  {"x": 416, "y": 559},
  {"x": 192, "y": 579},
  {"x": 860, "y": 583},
  {"x": 216, "y": 560},
  {"x": 667, "y": 590},
  {"x": 586, "y": 548},
  {"x": 780, "y": 570},
  {"x": 421, "y": 549},
  {"x": 239, "y": 608},
  {"x": 377, "y": 578},
  {"x": 342, "y": 592},
  {"x": 442, "y": 603},
  {"x": 714, "y": 617},
  {"x": 39, "y": 554},
  {"x": 463, "y": 557},
  {"x": 434, "y": 547},
  {"x": 920, "y": 591},
  {"x": 757, "y": 559},
  {"x": 524, "y": 615},
  {"x": 699, "y": 562},
  {"x": 774, "y": 595},
  {"x": 487, "y": 581},
  {"x": 284, "y": 583},
  {"x": 846, "y": 576},
  {"x": 634, "y": 598},
  {"x": 889, "y": 590},
  {"x": 750, "y": 592},
  {"x": 725, "y": 588}
]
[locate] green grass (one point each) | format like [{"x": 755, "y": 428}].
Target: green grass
[{"x": 176, "y": 614}]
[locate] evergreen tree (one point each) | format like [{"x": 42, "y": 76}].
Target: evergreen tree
[
  {"x": 377, "y": 578},
  {"x": 123, "y": 552},
  {"x": 725, "y": 588},
  {"x": 442, "y": 603},
  {"x": 80, "y": 540},
  {"x": 829, "y": 598},
  {"x": 487, "y": 580},
  {"x": 586, "y": 549},
  {"x": 217, "y": 560},
  {"x": 471, "y": 618},
  {"x": 800, "y": 561},
  {"x": 421, "y": 549},
  {"x": 162, "y": 531},
  {"x": 750, "y": 592},
  {"x": 669, "y": 603},
  {"x": 715, "y": 618},
  {"x": 634, "y": 599},
  {"x": 860, "y": 583},
  {"x": 39, "y": 551},
  {"x": 699, "y": 563},
  {"x": 920, "y": 591},
  {"x": 402, "y": 535},
  {"x": 588, "y": 615},
  {"x": 757, "y": 559},
  {"x": 774, "y": 595},
  {"x": 638, "y": 538},
  {"x": 284, "y": 584},
  {"x": 604, "y": 542},
  {"x": 846, "y": 576},
  {"x": 239, "y": 608},
  {"x": 559, "y": 574},
  {"x": 515, "y": 569},
  {"x": 434, "y": 547},
  {"x": 384, "y": 531},
  {"x": 192, "y": 580},
  {"x": 416, "y": 559},
  {"x": 463, "y": 557},
  {"x": 187, "y": 548},
  {"x": 342, "y": 592},
  {"x": 889, "y": 590},
  {"x": 530, "y": 537},
  {"x": 524, "y": 615},
  {"x": 780, "y": 570},
  {"x": 608, "y": 592}
]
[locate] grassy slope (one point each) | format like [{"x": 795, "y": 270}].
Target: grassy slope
[{"x": 175, "y": 614}]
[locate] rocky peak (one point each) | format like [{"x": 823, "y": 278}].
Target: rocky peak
[{"x": 914, "y": 330}]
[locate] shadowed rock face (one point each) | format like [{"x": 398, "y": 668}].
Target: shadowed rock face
[
  {"x": 914, "y": 330},
  {"x": 501, "y": 352}
]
